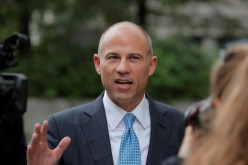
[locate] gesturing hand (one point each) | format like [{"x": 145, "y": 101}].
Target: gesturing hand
[{"x": 38, "y": 152}]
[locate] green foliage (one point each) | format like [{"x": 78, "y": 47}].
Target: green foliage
[
  {"x": 8, "y": 11},
  {"x": 68, "y": 72},
  {"x": 62, "y": 65},
  {"x": 182, "y": 70}
]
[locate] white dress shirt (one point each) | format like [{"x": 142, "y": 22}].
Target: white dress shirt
[{"x": 116, "y": 126}]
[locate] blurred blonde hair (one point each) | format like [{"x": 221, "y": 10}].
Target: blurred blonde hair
[
  {"x": 221, "y": 75},
  {"x": 227, "y": 144},
  {"x": 223, "y": 70}
]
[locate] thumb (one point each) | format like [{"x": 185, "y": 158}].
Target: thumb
[{"x": 63, "y": 144}]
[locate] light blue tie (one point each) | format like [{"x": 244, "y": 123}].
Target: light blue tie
[{"x": 129, "y": 148}]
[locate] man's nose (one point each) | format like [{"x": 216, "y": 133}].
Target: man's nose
[{"x": 123, "y": 66}]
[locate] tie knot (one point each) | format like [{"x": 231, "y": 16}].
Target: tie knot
[{"x": 129, "y": 119}]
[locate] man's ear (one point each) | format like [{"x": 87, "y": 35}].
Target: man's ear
[
  {"x": 96, "y": 59},
  {"x": 152, "y": 65}
]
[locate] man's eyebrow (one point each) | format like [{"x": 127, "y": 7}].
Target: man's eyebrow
[
  {"x": 135, "y": 54},
  {"x": 111, "y": 53}
]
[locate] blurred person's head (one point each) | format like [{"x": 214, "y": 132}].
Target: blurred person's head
[
  {"x": 227, "y": 143},
  {"x": 224, "y": 68},
  {"x": 221, "y": 74}
]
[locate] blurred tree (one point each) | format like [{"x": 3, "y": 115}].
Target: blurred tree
[
  {"x": 183, "y": 69},
  {"x": 217, "y": 19},
  {"x": 142, "y": 13},
  {"x": 65, "y": 33}
]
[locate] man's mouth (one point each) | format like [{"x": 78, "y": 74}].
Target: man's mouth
[{"x": 123, "y": 82}]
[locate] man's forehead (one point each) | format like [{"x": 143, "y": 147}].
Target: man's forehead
[
  {"x": 124, "y": 25},
  {"x": 122, "y": 30},
  {"x": 126, "y": 32}
]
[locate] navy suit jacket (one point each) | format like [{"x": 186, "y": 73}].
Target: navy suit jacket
[{"x": 86, "y": 125}]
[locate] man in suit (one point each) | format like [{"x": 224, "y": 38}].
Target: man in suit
[{"x": 91, "y": 134}]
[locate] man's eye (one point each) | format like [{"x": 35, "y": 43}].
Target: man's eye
[
  {"x": 134, "y": 58},
  {"x": 112, "y": 57}
]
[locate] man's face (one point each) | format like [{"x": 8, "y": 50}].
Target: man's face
[{"x": 124, "y": 66}]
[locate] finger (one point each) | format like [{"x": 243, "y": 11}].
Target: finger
[
  {"x": 44, "y": 131},
  {"x": 30, "y": 154},
  {"x": 37, "y": 128},
  {"x": 63, "y": 144},
  {"x": 29, "y": 149},
  {"x": 35, "y": 137},
  {"x": 34, "y": 141}
]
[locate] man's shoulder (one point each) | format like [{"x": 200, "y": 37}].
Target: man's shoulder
[
  {"x": 168, "y": 112},
  {"x": 162, "y": 106},
  {"x": 86, "y": 107},
  {"x": 165, "y": 108}
]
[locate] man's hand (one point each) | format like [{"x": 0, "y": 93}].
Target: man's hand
[{"x": 38, "y": 152}]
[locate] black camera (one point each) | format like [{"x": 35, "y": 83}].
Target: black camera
[
  {"x": 13, "y": 101},
  {"x": 13, "y": 86}
]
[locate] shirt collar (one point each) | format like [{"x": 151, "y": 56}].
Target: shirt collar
[{"x": 115, "y": 114}]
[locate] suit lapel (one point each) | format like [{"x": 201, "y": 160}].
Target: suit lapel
[
  {"x": 160, "y": 133},
  {"x": 95, "y": 129},
  {"x": 96, "y": 133}
]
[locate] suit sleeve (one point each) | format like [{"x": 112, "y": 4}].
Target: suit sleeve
[{"x": 53, "y": 135}]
